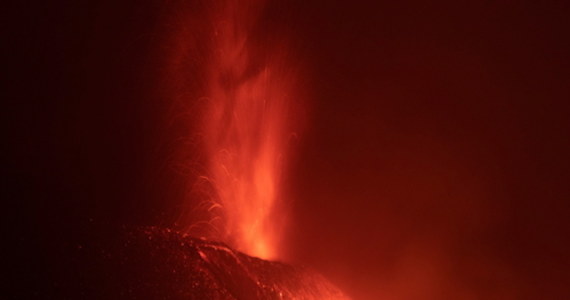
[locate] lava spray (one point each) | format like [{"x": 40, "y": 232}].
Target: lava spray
[{"x": 249, "y": 120}]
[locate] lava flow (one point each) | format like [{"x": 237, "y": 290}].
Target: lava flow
[{"x": 247, "y": 124}]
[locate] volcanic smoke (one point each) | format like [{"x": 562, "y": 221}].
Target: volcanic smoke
[{"x": 246, "y": 126}]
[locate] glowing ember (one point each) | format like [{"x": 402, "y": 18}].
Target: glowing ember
[{"x": 246, "y": 127}]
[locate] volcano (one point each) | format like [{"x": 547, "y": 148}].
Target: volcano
[{"x": 166, "y": 264}]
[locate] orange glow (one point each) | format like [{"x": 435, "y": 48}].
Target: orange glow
[{"x": 247, "y": 125}]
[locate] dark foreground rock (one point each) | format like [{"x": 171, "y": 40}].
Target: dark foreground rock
[{"x": 164, "y": 264}]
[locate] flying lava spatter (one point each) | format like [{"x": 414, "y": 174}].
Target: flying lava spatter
[{"x": 247, "y": 124}]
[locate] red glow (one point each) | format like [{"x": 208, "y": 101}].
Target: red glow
[
  {"x": 247, "y": 124},
  {"x": 435, "y": 165}
]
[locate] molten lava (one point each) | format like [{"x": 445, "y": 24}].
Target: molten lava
[{"x": 247, "y": 126}]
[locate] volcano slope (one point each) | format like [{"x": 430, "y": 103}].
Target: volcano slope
[{"x": 165, "y": 264}]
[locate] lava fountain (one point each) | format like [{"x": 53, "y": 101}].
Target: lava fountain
[
  {"x": 243, "y": 78},
  {"x": 247, "y": 126}
]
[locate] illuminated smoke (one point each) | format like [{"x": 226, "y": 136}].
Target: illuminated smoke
[{"x": 246, "y": 127}]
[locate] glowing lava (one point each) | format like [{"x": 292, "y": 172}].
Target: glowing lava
[{"x": 247, "y": 126}]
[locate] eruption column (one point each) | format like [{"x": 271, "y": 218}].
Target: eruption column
[{"x": 247, "y": 126}]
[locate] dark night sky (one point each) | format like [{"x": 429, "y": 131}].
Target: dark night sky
[{"x": 434, "y": 164}]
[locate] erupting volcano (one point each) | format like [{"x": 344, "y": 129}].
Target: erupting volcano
[
  {"x": 266, "y": 149},
  {"x": 248, "y": 114}
]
